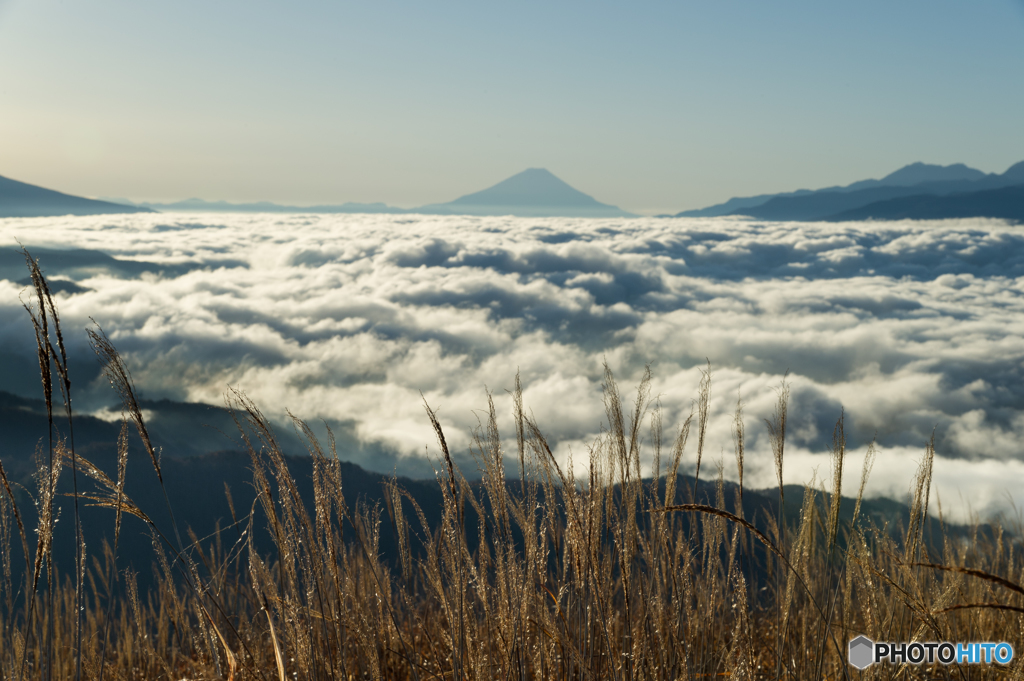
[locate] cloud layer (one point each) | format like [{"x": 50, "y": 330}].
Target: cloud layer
[{"x": 908, "y": 327}]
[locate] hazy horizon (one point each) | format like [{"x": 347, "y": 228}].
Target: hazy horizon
[
  {"x": 160, "y": 203},
  {"x": 650, "y": 107}
]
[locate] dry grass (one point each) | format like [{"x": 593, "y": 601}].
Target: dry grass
[{"x": 558, "y": 574}]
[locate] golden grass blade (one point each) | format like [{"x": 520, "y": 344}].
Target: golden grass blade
[
  {"x": 985, "y": 606},
  {"x": 980, "y": 574},
  {"x": 278, "y": 657},
  {"x": 711, "y": 510}
]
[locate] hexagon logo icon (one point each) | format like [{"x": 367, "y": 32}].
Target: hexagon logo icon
[{"x": 862, "y": 652}]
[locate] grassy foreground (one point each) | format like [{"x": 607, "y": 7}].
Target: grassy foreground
[{"x": 562, "y": 574}]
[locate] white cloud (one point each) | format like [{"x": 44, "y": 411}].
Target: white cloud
[{"x": 908, "y": 326}]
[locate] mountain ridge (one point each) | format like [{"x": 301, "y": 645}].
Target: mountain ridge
[
  {"x": 915, "y": 179},
  {"x": 194, "y": 484},
  {"x": 534, "y": 192},
  {"x": 201, "y": 205}
]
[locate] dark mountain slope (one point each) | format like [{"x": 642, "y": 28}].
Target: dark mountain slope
[
  {"x": 197, "y": 487},
  {"x": 1006, "y": 203},
  {"x": 820, "y": 205},
  {"x": 23, "y": 200}
]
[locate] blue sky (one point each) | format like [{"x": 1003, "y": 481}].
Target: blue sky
[{"x": 653, "y": 106}]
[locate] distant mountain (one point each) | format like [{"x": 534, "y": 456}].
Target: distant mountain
[
  {"x": 22, "y": 200},
  {"x": 199, "y": 205},
  {"x": 914, "y": 180},
  {"x": 820, "y": 205},
  {"x": 535, "y": 192},
  {"x": 1006, "y": 203}
]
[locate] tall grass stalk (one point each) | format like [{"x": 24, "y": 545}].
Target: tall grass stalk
[{"x": 44, "y": 315}]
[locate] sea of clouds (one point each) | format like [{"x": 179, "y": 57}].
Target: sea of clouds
[{"x": 909, "y": 328}]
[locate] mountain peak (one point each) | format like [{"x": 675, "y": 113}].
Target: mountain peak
[
  {"x": 918, "y": 173},
  {"x": 531, "y": 187},
  {"x": 1015, "y": 172},
  {"x": 534, "y": 192}
]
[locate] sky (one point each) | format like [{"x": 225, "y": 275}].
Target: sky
[
  {"x": 651, "y": 106},
  {"x": 907, "y": 329}
]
